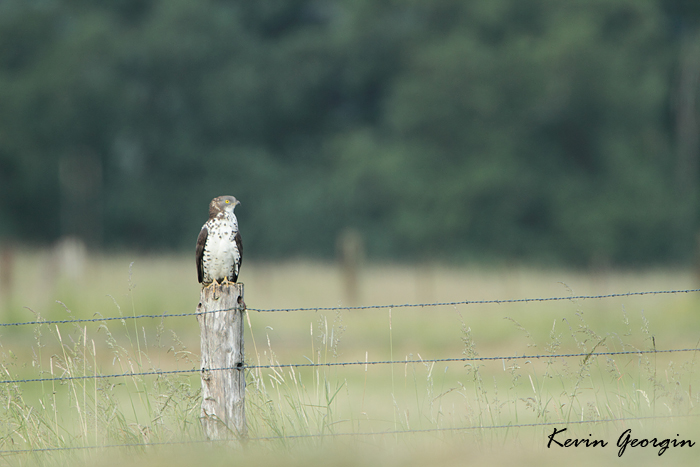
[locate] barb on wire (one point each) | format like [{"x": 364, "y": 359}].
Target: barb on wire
[
  {"x": 364, "y": 307},
  {"x": 356, "y": 363},
  {"x": 9, "y": 452}
]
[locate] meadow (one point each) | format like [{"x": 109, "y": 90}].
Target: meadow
[{"x": 500, "y": 404}]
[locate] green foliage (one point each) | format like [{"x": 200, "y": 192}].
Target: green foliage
[{"x": 531, "y": 129}]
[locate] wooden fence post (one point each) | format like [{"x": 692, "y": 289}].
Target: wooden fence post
[{"x": 223, "y": 391}]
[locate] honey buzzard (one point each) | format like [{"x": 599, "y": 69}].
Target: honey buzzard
[{"x": 219, "y": 249}]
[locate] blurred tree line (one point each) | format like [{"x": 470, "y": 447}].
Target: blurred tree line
[{"x": 540, "y": 130}]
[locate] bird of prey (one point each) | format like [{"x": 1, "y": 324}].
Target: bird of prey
[{"x": 219, "y": 249}]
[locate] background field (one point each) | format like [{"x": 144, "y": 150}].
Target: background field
[{"x": 454, "y": 404}]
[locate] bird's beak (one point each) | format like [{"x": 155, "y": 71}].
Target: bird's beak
[{"x": 237, "y": 202}]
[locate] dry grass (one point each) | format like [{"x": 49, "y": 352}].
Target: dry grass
[{"x": 284, "y": 401}]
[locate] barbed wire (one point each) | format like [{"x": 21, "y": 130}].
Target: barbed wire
[
  {"x": 8, "y": 452},
  {"x": 351, "y": 308},
  {"x": 478, "y": 302},
  {"x": 355, "y": 363},
  {"x": 480, "y": 427},
  {"x": 109, "y": 318}
]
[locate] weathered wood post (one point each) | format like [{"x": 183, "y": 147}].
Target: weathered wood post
[{"x": 223, "y": 391}]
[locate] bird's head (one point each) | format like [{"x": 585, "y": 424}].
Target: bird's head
[{"x": 222, "y": 204}]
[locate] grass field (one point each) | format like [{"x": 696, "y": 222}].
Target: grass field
[{"x": 351, "y": 414}]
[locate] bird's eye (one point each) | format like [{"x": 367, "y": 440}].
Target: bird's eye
[{"x": 227, "y": 201}]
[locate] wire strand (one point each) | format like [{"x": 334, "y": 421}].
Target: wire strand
[
  {"x": 356, "y": 363},
  {"x": 109, "y": 318},
  {"x": 478, "y": 302},
  {"x": 364, "y": 307},
  {"x": 8, "y": 452}
]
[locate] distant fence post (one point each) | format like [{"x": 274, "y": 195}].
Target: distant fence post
[{"x": 223, "y": 391}]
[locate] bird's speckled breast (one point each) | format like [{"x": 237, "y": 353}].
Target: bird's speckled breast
[{"x": 221, "y": 256}]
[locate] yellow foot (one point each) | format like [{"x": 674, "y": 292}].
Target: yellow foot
[
  {"x": 214, "y": 283},
  {"x": 227, "y": 282}
]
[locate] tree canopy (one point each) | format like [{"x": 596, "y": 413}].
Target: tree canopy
[{"x": 521, "y": 129}]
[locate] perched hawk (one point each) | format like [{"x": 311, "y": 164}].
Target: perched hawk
[{"x": 219, "y": 249}]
